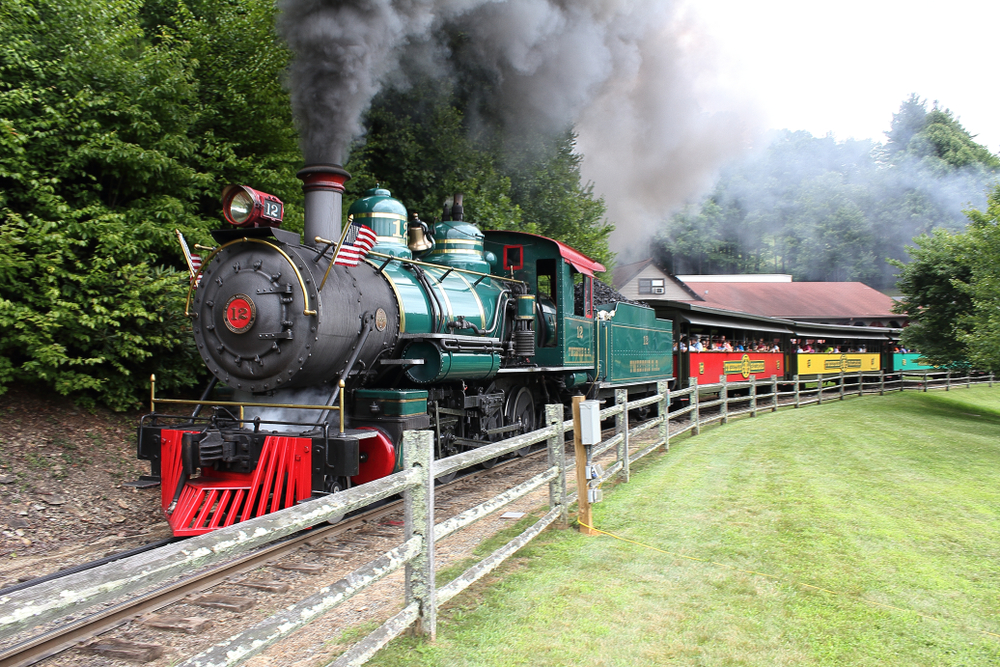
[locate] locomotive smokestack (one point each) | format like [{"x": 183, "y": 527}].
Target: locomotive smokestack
[{"x": 323, "y": 185}]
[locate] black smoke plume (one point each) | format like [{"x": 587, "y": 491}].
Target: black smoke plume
[{"x": 634, "y": 77}]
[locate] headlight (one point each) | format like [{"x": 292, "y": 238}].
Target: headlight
[
  {"x": 240, "y": 207},
  {"x": 245, "y": 207}
]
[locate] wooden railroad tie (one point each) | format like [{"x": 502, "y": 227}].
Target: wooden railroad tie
[
  {"x": 227, "y": 602},
  {"x": 269, "y": 586},
  {"x": 125, "y": 650},
  {"x": 190, "y": 625},
  {"x": 305, "y": 568}
]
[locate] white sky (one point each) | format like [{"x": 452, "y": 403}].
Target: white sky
[{"x": 844, "y": 67}]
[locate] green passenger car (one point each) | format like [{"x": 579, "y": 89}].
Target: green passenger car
[{"x": 910, "y": 361}]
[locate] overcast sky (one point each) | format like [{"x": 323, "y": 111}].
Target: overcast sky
[{"x": 844, "y": 67}]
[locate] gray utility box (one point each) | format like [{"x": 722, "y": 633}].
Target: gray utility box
[{"x": 590, "y": 422}]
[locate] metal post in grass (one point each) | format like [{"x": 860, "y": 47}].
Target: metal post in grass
[
  {"x": 991, "y": 380},
  {"x": 418, "y": 503},
  {"x": 557, "y": 458},
  {"x": 968, "y": 378},
  {"x": 841, "y": 384},
  {"x": 774, "y": 393},
  {"x": 819, "y": 389},
  {"x": 695, "y": 414},
  {"x": 881, "y": 383},
  {"x": 663, "y": 389},
  {"x": 582, "y": 488},
  {"x": 796, "y": 379},
  {"x": 621, "y": 428},
  {"x": 753, "y": 395},
  {"x": 861, "y": 383},
  {"x": 947, "y": 385},
  {"x": 724, "y": 396}
]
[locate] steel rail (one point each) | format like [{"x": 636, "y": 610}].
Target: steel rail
[{"x": 56, "y": 640}]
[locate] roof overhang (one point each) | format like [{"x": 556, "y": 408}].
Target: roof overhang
[
  {"x": 732, "y": 323},
  {"x": 812, "y": 330},
  {"x": 715, "y": 317}
]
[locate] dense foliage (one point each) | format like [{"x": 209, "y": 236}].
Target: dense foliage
[
  {"x": 420, "y": 146},
  {"x": 830, "y": 210},
  {"x": 952, "y": 291},
  {"x": 935, "y": 300},
  {"x": 121, "y": 121},
  {"x": 114, "y": 132}
]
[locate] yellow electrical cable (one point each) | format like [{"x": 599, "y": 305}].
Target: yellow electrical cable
[{"x": 775, "y": 577}]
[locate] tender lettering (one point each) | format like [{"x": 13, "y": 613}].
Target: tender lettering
[{"x": 643, "y": 365}]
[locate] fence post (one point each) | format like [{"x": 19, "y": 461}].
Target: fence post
[
  {"x": 724, "y": 395},
  {"x": 580, "y": 455},
  {"x": 621, "y": 428},
  {"x": 418, "y": 502},
  {"x": 968, "y": 378},
  {"x": 861, "y": 383},
  {"x": 925, "y": 381},
  {"x": 841, "y": 384},
  {"x": 663, "y": 389},
  {"x": 881, "y": 383},
  {"x": 991, "y": 380},
  {"x": 796, "y": 379},
  {"x": 696, "y": 416},
  {"x": 774, "y": 393},
  {"x": 557, "y": 457},
  {"x": 753, "y": 395},
  {"x": 819, "y": 389},
  {"x": 947, "y": 386}
]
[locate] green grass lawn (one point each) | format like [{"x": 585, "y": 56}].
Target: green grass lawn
[{"x": 892, "y": 504}]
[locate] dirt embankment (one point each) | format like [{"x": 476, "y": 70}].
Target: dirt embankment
[{"x": 62, "y": 498}]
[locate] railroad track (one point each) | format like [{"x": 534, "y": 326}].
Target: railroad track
[
  {"x": 56, "y": 640},
  {"x": 73, "y": 633}
]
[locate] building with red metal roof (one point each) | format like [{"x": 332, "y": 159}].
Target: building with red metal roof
[
  {"x": 768, "y": 295},
  {"x": 829, "y": 303}
]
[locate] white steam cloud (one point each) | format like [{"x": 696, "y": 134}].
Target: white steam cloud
[
  {"x": 298, "y": 419},
  {"x": 634, "y": 77}
]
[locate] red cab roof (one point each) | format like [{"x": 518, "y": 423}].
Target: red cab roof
[{"x": 577, "y": 259}]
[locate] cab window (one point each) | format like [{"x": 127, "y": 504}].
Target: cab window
[{"x": 546, "y": 286}]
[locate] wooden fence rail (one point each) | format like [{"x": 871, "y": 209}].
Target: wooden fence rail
[{"x": 695, "y": 406}]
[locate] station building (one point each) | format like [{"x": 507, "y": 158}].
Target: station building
[{"x": 767, "y": 295}]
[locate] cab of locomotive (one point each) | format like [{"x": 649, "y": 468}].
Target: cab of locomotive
[{"x": 555, "y": 273}]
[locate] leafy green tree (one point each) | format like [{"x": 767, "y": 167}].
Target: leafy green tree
[
  {"x": 419, "y": 146},
  {"x": 827, "y": 210},
  {"x": 937, "y": 138},
  {"x": 118, "y": 124},
  {"x": 547, "y": 187},
  {"x": 911, "y": 119},
  {"x": 979, "y": 329},
  {"x": 936, "y": 299}
]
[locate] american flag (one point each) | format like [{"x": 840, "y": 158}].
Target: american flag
[
  {"x": 196, "y": 266},
  {"x": 193, "y": 261},
  {"x": 356, "y": 244}
]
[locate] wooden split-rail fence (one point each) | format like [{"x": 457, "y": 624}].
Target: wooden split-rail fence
[{"x": 700, "y": 405}]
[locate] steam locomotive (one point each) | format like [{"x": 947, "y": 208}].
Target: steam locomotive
[{"x": 441, "y": 327}]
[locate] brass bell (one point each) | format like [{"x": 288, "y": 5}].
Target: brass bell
[{"x": 416, "y": 233}]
